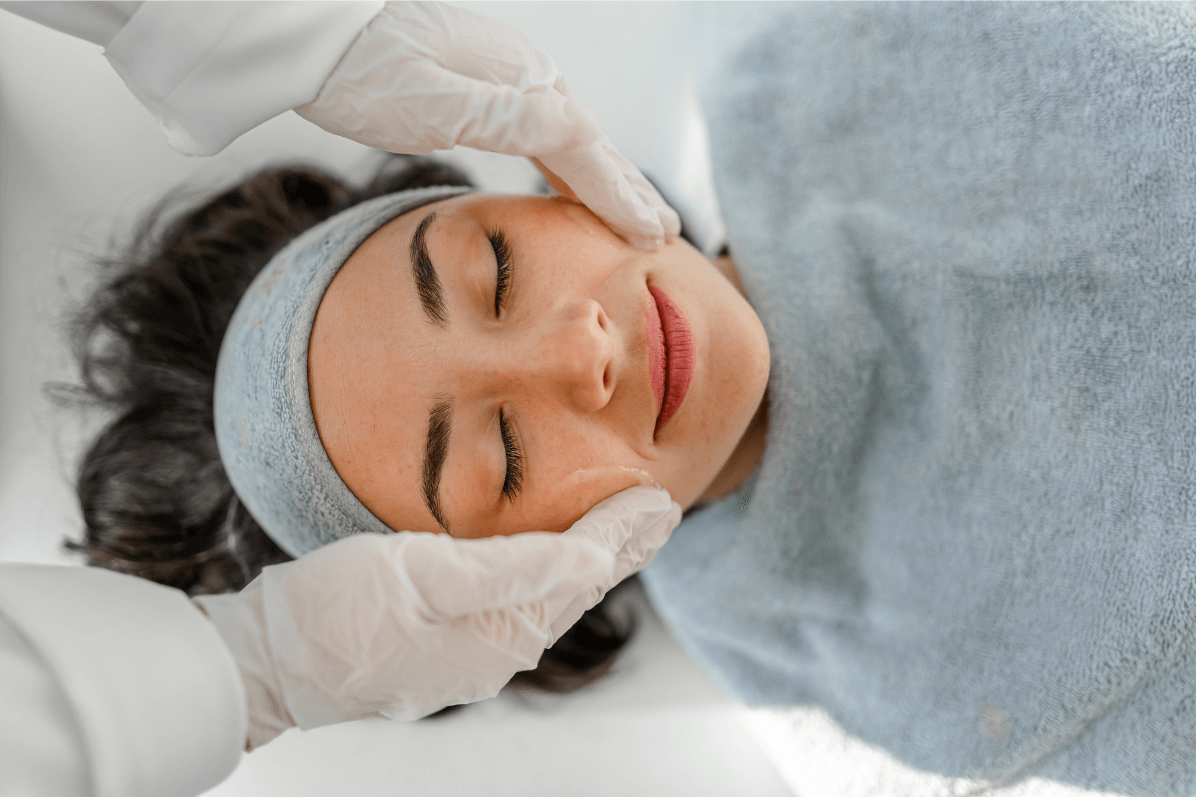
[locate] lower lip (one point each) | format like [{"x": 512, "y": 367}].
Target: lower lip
[{"x": 680, "y": 356}]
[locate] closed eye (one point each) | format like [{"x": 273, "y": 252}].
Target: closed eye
[
  {"x": 502, "y": 259},
  {"x": 513, "y": 482}
]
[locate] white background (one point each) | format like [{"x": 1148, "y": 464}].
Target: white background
[{"x": 80, "y": 161}]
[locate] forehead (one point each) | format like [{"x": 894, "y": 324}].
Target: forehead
[{"x": 369, "y": 367}]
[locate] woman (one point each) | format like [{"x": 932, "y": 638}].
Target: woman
[
  {"x": 156, "y": 498},
  {"x": 965, "y": 230}
]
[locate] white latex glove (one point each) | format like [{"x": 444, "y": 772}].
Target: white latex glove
[
  {"x": 427, "y": 76},
  {"x": 405, "y": 624}
]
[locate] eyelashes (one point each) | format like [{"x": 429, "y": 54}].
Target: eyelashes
[
  {"x": 502, "y": 257},
  {"x": 513, "y": 482}
]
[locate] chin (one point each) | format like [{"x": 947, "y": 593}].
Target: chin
[{"x": 740, "y": 390}]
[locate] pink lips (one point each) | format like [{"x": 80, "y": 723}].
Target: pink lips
[{"x": 671, "y": 354}]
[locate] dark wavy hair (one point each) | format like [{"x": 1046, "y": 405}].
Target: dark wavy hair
[{"x": 156, "y": 500}]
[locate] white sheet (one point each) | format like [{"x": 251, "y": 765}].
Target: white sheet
[{"x": 833, "y": 763}]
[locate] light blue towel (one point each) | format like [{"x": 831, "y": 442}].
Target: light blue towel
[{"x": 970, "y": 231}]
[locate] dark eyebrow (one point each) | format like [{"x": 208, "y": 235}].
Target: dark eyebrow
[
  {"x": 427, "y": 284},
  {"x": 440, "y": 423}
]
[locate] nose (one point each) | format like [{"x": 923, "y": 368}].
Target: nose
[{"x": 566, "y": 353}]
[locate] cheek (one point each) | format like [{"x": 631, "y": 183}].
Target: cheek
[
  {"x": 576, "y": 251},
  {"x": 572, "y": 468},
  {"x": 573, "y": 495}
]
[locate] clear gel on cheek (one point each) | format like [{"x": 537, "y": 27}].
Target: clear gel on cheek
[
  {"x": 582, "y": 475},
  {"x": 585, "y": 488}
]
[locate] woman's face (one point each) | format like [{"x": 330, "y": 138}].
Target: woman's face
[{"x": 482, "y": 365}]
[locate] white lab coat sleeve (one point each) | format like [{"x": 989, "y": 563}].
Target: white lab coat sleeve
[
  {"x": 96, "y": 21},
  {"x": 211, "y": 71},
  {"x": 41, "y": 751},
  {"x": 155, "y": 697}
]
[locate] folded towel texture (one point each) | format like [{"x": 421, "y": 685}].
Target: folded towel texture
[{"x": 970, "y": 232}]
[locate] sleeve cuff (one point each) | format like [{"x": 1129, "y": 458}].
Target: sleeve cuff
[
  {"x": 157, "y": 695},
  {"x": 212, "y": 71}
]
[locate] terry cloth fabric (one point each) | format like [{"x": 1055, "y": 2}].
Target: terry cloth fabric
[
  {"x": 265, "y": 431},
  {"x": 970, "y": 232}
]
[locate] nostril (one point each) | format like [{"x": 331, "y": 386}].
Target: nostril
[{"x": 606, "y": 378}]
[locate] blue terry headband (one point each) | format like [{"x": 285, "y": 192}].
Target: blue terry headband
[{"x": 265, "y": 430}]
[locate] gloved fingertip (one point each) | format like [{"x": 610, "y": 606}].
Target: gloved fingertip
[
  {"x": 671, "y": 222},
  {"x": 648, "y": 243},
  {"x": 649, "y": 497},
  {"x": 658, "y": 492}
]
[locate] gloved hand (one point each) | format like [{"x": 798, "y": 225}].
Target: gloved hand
[
  {"x": 405, "y": 624},
  {"x": 426, "y": 76}
]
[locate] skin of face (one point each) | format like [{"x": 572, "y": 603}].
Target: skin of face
[{"x": 564, "y": 360}]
